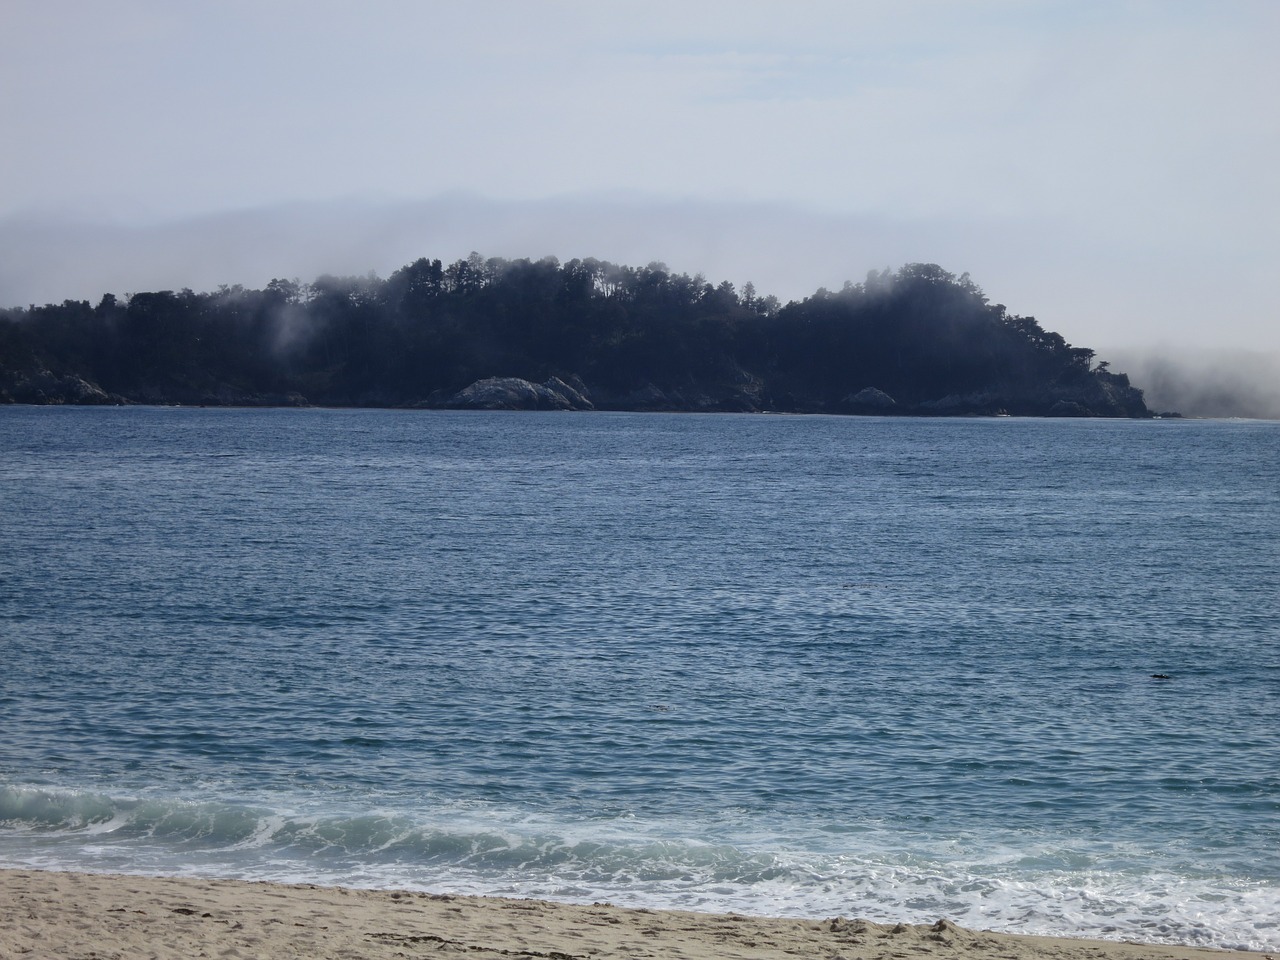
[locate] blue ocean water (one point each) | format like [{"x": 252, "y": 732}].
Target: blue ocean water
[{"x": 808, "y": 666}]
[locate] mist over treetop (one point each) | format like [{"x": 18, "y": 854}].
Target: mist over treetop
[{"x": 918, "y": 340}]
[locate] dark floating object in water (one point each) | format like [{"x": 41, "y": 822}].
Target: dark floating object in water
[{"x": 1161, "y": 676}]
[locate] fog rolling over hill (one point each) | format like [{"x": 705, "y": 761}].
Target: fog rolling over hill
[
  {"x": 1205, "y": 383},
  {"x": 489, "y": 332},
  {"x": 1229, "y": 370}
]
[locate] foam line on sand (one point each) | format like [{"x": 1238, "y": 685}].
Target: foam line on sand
[{"x": 76, "y": 915}]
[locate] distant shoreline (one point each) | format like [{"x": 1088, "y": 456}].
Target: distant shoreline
[
  {"x": 419, "y": 408},
  {"x": 517, "y": 334}
]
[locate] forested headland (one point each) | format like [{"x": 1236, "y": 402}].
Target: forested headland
[{"x": 541, "y": 334}]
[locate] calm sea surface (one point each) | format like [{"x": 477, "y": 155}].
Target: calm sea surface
[{"x": 889, "y": 668}]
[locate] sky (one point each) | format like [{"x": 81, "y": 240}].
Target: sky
[{"x": 1108, "y": 167}]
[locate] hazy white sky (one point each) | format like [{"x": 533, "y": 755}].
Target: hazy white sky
[{"x": 1110, "y": 167}]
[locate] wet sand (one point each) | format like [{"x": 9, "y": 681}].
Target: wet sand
[{"x": 75, "y": 915}]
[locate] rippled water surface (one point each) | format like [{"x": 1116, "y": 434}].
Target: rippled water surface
[{"x": 894, "y": 668}]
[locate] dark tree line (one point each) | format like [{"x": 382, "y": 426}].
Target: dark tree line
[{"x": 916, "y": 340}]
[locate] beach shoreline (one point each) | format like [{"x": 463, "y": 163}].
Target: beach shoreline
[{"x": 68, "y": 914}]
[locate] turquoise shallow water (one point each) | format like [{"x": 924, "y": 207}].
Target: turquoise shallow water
[{"x": 783, "y": 665}]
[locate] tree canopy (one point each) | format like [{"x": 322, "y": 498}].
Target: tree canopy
[{"x": 923, "y": 340}]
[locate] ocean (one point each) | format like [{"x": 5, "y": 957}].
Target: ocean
[{"x": 1022, "y": 674}]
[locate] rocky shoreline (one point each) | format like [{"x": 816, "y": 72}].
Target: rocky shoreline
[{"x": 572, "y": 394}]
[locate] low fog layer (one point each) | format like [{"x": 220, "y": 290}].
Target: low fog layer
[
  {"x": 1204, "y": 383},
  {"x": 783, "y": 250},
  {"x": 1088, "y": 290}
]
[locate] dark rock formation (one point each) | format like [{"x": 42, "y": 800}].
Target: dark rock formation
[
  {"x": 512, "y": 393},
  {"x": 575, "y": 392},
  {"x": 1069, "y": 408},
  {"x": 979, "y": 404},
  {"x": 870, "y": 400},
  {"x": 43, "y": 387}
]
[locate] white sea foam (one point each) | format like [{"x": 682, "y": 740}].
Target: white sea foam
[{"x": 637, "y": 862}]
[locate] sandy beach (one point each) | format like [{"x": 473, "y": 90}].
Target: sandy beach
[{"x": 75, "y": 915}]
